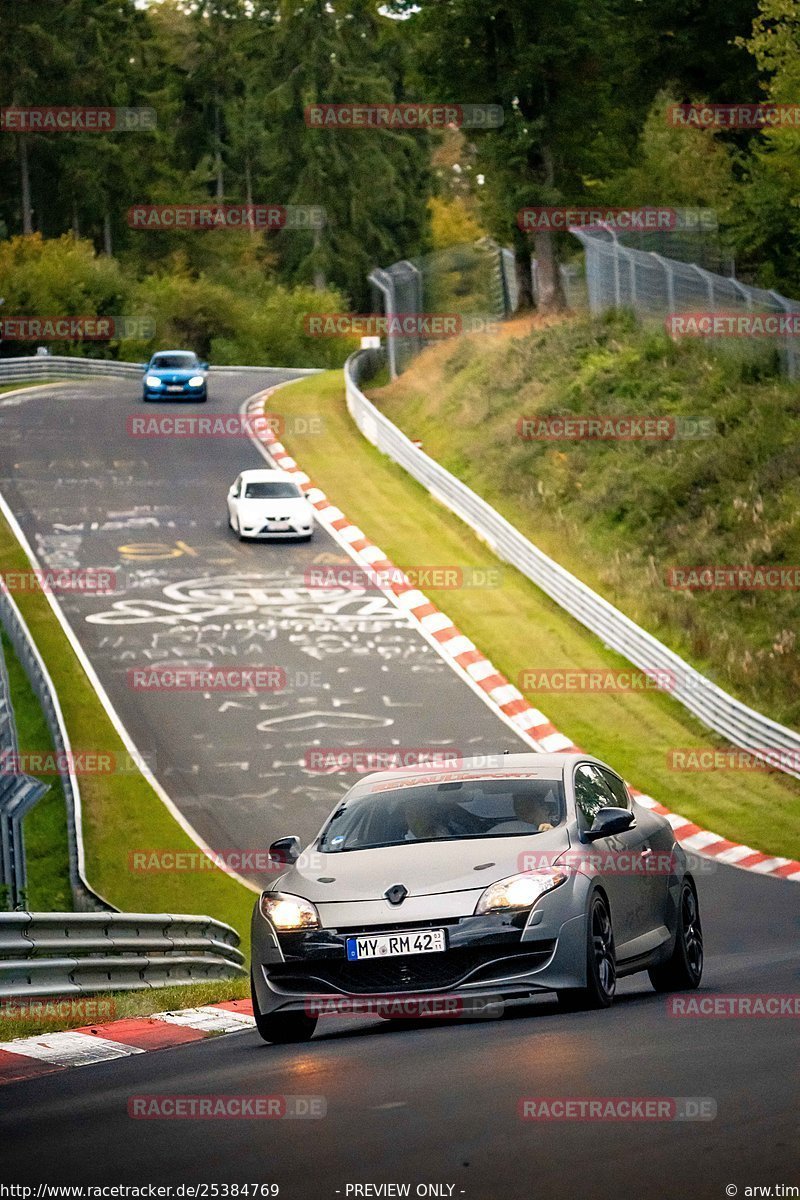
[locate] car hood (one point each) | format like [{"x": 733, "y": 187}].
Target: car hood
[{"x": 424, "y": 868}]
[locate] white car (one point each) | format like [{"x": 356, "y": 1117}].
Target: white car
[{"x": 268, "y": 503}]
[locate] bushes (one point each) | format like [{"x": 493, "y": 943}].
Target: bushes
[{"x": 236, "y": 315}]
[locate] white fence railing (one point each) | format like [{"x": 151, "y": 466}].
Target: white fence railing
[
  {"x": 54, "y": 366},
  {"x": 64, "y": 954},
  {"x": 741, "y": 725}
]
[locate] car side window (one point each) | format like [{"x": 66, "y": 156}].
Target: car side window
[
  {"x": 616, "y": 787},
  {"x": 591, "y": 794}
]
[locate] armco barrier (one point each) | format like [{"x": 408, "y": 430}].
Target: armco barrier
[
  {"x": 742, "y": 726},
  {"x": 47, "y": 367},
  {"x": 83, "y": 895},
  {"x": 64, "y": 954}
]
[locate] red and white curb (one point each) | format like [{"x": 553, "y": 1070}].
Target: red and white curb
[
  {"x": 483, "y": 677},
  {"x": 44, "y": 1053}
]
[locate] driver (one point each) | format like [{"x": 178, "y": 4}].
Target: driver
[
  {"x": 534, "y": 810},
  {"x": 433, "y": 820}
]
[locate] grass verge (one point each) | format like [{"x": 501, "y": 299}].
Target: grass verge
[
  {"x": 23, "y": 1018},
  {"x": 622, "y": 514},
  {"x": 45, "y": 826},
  {"x": 518, "y": 627}
]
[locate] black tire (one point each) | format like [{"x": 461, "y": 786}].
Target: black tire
[
  {"x": 282, "y": 1028},
  {"x": 683, "y": 970},
  {"x": 601, "y": 966}
]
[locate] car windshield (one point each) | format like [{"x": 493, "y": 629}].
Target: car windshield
[
  {"x": 452, "y": 810},
  {"x": 174, "y": 362},
  {"x": 271, "y": 491}
]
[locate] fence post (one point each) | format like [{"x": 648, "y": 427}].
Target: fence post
[
  {"x": 385, "y": 284},
  {"x": 791, "y": 358},
  {"x": 665, "y": 263}
]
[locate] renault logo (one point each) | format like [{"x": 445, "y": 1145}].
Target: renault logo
[{"x": 396, "y": 894}]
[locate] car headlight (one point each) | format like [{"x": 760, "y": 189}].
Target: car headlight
[
  {"x": 288, "y": 912},
  {"x": 196, "y": 381},
  {"x": 152, "y": 381},
  {"x": 518, "y": 891}
]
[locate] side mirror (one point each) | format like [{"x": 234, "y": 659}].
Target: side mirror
[
  {"x": 286, "y": 849},
  {"x": 608, "y": 822},
  {"x": 203, "y": 366},
  {"x": 232, "y": 490}
]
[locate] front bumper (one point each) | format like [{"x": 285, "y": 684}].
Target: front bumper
[
  {"x": 495, "y": 956},
  {"x": 297, "y": 529},
  {"x": 185, "y": 393}
]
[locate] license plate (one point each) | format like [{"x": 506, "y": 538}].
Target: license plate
[
  {"x": 387, "y": 945},
  {"x": 277, "y": 525},
  {"x": 174, "y": 387}
]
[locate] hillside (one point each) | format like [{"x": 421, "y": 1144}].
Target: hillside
[{"x": 622, "y": 514}]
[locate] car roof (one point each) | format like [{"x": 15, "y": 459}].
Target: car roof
[
  {"x": 555, "y": 763},
  {"x": 265, "y": 475},
  {"x": 156, "y": 352}
]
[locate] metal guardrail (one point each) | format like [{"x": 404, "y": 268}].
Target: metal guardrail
[
  {"x": 741, "y": 725},
  {"x": 18, "y": 794},
  {"x": 53, "y": 366},
  {"x": 84, "y": 896},
  {"x": 63, "y": 954}
]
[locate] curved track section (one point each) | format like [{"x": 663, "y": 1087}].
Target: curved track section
[{"x": 431, "y": 1106}]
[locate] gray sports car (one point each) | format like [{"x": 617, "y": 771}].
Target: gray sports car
[{"x": 486, "y": 884}]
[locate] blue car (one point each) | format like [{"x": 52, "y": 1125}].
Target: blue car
[{"x": 175, "y": 375}]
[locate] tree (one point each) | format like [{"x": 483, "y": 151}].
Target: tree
[
  {"x": 550, "y": 67},
  {"x": 768, "y": 217}
]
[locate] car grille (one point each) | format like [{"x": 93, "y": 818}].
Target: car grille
[{"x": 408, "y": 973}]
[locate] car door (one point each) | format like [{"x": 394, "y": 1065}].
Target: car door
[
  {"x": 646, "y": 866},
  {"x": 607, "y": 859}
]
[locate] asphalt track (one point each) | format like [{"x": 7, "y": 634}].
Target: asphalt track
[
  {"x": 432, "y": 1103},
  {"x": 152, "y": 511}
]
